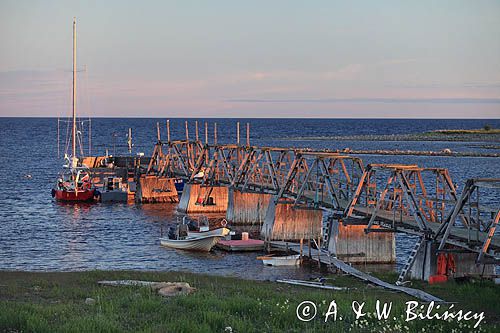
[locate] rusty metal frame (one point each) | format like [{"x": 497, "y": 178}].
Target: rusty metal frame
[
  {"x": 472, "y": 186},
  {"x": 405, "y": 188},
  {"x": 300, "y": 176}
]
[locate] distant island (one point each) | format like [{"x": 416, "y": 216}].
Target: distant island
[
  {"x": 486, "y": 130},
  {"x": 485, "y": 134}
]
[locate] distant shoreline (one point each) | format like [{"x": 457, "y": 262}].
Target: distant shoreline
[{"x": 460, "y": 135}]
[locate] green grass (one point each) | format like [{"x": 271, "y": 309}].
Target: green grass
[{"x": 55, "y": 302}]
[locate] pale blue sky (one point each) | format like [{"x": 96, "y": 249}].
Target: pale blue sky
[{"x": 253, "y": 58}]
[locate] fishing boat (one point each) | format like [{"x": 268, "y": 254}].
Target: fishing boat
[
  {"x": 270, "y": 260},
  {"x": 75, "y": 181},
  {"x": 202, "y": 243},
  {"x": 114, "y": 190},
  {"x": 223, "y": 232}
]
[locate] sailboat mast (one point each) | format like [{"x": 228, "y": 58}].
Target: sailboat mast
[{"x": 74, "y": 93}]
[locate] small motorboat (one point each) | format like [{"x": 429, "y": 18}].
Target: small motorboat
[
  {"x": 198, "y": 243},
  {"x": 114, "y": 190},
  {"x": 215, "y": 232},
  {"x": 270, "y": 260}
]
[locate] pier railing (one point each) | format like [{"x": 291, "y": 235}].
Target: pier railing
[{"x": 311, "y": 178}]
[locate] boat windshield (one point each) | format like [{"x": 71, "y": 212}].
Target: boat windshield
[{"x": 76, "y": 178}]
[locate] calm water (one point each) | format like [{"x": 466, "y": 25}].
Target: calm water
[{"x": 36, "y": 233}]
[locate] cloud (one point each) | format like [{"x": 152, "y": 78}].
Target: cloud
[
  {"x": 474, "y": 85},
  {"x": 354, "y": 71},
  {"x": 22, "y": 82},
  {"x": 397, "y": 61},
  {"x": 348, "y": 72},
  {"x": 48, "y": 92},
  {"x": 376, "y": 100},
  {"x": 260, "y": 75}
]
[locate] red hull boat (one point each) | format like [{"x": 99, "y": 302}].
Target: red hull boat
[
  {"x": 83, "y": 195},
  {"x": 75, "y": 181},
  {"x": 74, "y": 184}
]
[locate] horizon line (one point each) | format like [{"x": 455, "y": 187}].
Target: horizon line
[{"x": 212, "y": 117}]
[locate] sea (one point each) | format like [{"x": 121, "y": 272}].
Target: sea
[{"x": 40, "y": 234}]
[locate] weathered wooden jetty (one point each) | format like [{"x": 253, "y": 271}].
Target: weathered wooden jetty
[{"x": 349, "y": 210}]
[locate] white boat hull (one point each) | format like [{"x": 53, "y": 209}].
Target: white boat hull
[
  {"x": 202, "y": 243},
  {"x": 293, "y": 260}
]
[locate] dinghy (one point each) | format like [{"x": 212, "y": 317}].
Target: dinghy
[{"x": 292, "y": 260}]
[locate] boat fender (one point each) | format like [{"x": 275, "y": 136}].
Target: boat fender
[
  {"x": 53, "y": 192},
  {"x": 97, "y": 194}
]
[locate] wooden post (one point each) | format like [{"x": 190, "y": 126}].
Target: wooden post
[
  {"x": 248, "y": 134},
  {"x": 187, "y": 131},
  {"x": 58, "y": 149},
  {"x": 319, "y": 252},
  {"x": 215, "y": 133},
  {"x": 196, "y": 150},
  {"x": 90, "y": 136},
  {"x": 129, "y": 140},
  {"x": 301, "y": 248},
  {"x": 206, "y": 133},
  {"x": 309, "y": 236},
  {"x": 158, "y": 131},
  {"x": 238, "y": 133},
  {"x": 168, "y": 130}
]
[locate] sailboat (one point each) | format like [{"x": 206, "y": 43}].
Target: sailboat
[{"x": 75, "y": 181}]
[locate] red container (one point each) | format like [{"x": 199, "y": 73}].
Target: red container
[{"x": 437, "y": 279}]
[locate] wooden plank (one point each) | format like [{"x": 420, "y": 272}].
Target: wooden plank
[
  {"x": 311, "y": 284},
  {"x": 241, "y": 245}
]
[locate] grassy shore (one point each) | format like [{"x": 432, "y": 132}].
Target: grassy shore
[{"x": 55, "y": 302}]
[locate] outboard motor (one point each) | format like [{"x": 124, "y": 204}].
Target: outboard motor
[{"x": 172, "y": 232}]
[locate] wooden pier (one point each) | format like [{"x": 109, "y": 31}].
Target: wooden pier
[{"x": 351, "y": 210}]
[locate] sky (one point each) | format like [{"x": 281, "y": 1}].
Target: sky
[{"x": 324, "y": 59}]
